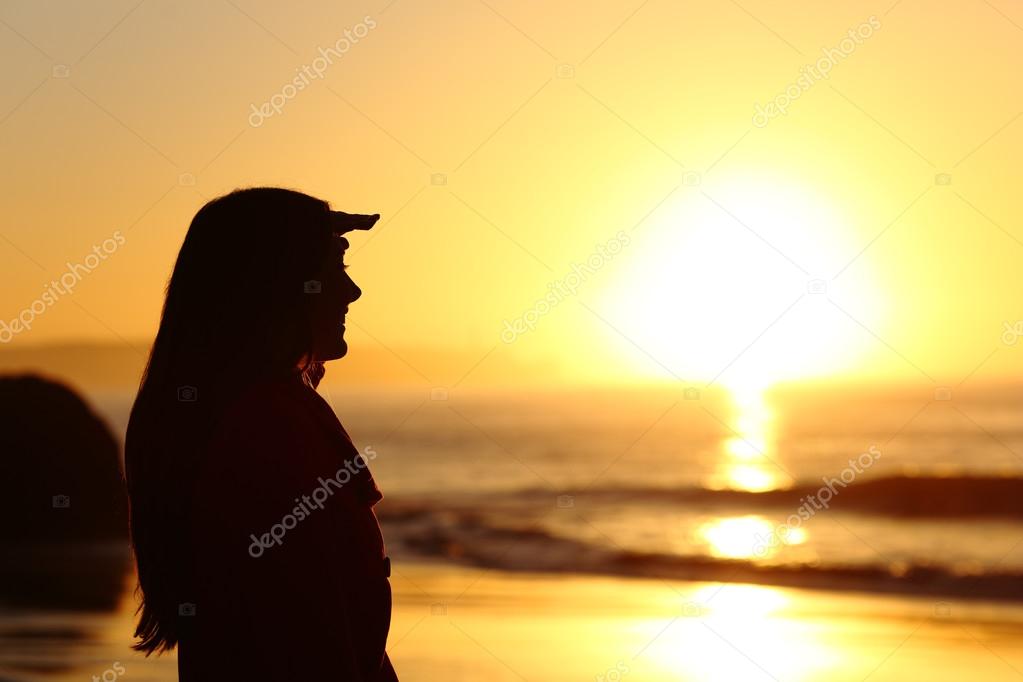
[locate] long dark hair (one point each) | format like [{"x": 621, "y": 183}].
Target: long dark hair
[{"x": 236, "y": 312}]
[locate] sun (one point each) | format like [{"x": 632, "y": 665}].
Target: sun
[{"x": 730, "y": 284}]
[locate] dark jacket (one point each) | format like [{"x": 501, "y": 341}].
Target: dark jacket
[{"x": 290, "y": 577}]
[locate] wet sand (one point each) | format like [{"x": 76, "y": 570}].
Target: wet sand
[
  {"x": 471, "y": 625},
  {"x": 466, "y": 624}
]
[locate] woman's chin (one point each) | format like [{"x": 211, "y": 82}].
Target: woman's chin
[{"x": 338, "y": 350}]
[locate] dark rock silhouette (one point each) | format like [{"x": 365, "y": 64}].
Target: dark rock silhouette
[
  {"x": 63, "y": 501},
  {"x": 60, "y": 467}
]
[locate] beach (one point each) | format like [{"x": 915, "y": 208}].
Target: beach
[
  {"x": 454, "y": 623},
  {"x": 552, "y": 537},
  {"x": 542, "y": 627},
  {"x": 677, "y": 341}
]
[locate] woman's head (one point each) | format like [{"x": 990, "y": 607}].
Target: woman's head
[
  {"x": 258, "y": 291},
  {"x": 256, "y": 280}
]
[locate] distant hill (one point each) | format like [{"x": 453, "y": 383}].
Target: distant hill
[
  {"x": 91, "y": 366},
  {"x": 86, "y": 365}
]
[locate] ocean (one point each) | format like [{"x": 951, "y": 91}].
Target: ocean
[
  {"x": 911, "y": 491},
  {"x": 915, "y": 492}
]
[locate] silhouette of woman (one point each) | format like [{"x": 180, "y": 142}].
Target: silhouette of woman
[{"x": 258, "y": 552}]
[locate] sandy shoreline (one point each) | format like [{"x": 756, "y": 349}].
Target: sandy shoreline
[
  {"x": 456, "y": 623},
  {"x": 465, "y": 624}
]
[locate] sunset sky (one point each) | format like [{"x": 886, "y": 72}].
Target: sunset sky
[{"x": 873, "y": 230}]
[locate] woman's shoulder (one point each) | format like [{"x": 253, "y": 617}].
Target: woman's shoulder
[
  {"x": 264, "y": 405},
  {"x": 264, "y": 423},
  {"x": 279, "y": 431},
  {"x": 265, "y": 394}
]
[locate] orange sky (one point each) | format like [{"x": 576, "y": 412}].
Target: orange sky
[{"x": 505, "y": 143}]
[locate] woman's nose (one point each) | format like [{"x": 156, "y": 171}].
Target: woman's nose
[{"x": 354, "y": 292}]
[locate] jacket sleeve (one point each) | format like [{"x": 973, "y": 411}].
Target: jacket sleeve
[{"x": 269, "y": 565}]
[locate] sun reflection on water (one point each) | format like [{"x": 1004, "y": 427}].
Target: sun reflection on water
[
  {"x": 748, "y": 460},
  {"x": 745, "y": 537}
]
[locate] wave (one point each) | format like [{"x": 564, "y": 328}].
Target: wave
[
  {"x": 898, "y": 496},
  {"x": 468, "y": 539}
]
